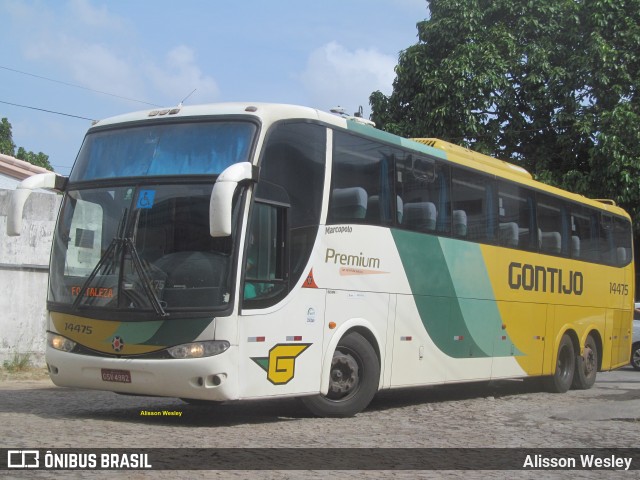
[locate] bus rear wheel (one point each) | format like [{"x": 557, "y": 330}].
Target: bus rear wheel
[
  {"x": 561, "y": 380},
  {"x": 355, "y": 374},
  {"x": 586, "y": 366},
  {"x": 635, "y": 356}
]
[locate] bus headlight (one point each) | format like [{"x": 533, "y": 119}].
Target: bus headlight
[
  {"x": 60, "y": 343},
  {"x": 199, "y": 349}
]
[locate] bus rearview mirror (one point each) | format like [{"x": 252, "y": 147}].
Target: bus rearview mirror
[
  {"x": 46, "y": 181},
  {"x": 221, "y": 203}
]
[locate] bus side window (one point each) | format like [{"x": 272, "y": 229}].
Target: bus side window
[
  {"x": 606, "y": 243},
  {"x": 615, "y": 240},
  {"x": 422, "y": 186},
  {"x": 294, "y": 159},
  {"x": 517, "y": 215},
  {"x": 349, "y": 204},
  {"x": 420, "y": 216},
  {"x": 374, "y": 213},
  {"x": 553, "y": 225},
  {"x": 584, "y": 234},
  {"x": 508, "y": 234},
  {"x": 361, "y": 181},
  {"x": 472, "y": 196},
  {"x": 622, "y": 240},
  {"x": 576, "y": 234},
  {"x": 265, "y": 268}
]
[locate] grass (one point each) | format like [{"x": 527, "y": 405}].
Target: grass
[
  {"x": 21, "y": 362},
  {"x": 20, "y": 368}
]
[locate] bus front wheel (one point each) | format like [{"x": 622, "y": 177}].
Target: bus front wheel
[
  {"x": 561, "y": 380},
  {"x": 586, "y": 366},
  {"x": 354, "y": 378}
]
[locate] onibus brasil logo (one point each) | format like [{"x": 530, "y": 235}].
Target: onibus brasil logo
[{"x": 280, "y": 365}]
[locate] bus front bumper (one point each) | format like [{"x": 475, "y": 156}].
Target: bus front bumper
[{"x": 209, "y": 378}]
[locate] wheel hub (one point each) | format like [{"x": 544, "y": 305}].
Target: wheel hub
[
  {"x": 589, "y": 361},
  {"x": 344, "y": 374}
]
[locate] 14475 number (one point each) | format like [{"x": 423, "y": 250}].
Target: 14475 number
[
  {"x": 618, "y": 288},
  {"x": 78, "y": 328}
]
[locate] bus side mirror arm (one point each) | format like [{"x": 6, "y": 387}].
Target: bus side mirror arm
[
  {"x": 220, "y": 205},
  {"x": 46, "y": 181}
]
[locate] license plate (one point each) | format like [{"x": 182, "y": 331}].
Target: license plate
[{"x": 122, "y": 376}]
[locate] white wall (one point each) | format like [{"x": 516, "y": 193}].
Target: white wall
[
  {"x": 8, "y": 182},
  {"x": 24, "y": 272}
]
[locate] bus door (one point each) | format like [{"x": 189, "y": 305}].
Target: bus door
[
  {"x": 280, "y": 327},
  {"x": 281, "y": 349}
]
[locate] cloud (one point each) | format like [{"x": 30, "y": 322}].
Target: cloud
[
  {"x": 93, "y": 65},
  {"x": 96, "y": 17},
  {"x": 100, "y": 51},
  {"x": 179, "y": 75},
  {"x": 335, "y": 75}
]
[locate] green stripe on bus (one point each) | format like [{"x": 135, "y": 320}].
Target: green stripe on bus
[
  {"x": 175, "y": 332},
  {"x": 453, "y": 295},
  {"x": 136, "y": 332}
]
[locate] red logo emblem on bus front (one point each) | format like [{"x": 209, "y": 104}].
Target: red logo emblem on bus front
[{"x": 117, "y": 344}]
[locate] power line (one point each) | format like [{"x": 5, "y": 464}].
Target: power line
[
  {"x": 77, "y": 86},
  {"x": 48, "y": 111}
]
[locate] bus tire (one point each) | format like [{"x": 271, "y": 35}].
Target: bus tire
[
  {"x": 561, "y": 380},
  {"x": 586, "y": 366},
  {"x": 635, "y": 356},
  {"x": 355, "y": 375}
]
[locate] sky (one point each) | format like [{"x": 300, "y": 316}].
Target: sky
[{"x": 97, "y": 58}]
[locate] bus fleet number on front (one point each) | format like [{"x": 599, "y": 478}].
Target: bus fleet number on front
[{"x": 78, "y": 328}]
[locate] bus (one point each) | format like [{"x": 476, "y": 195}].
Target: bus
[{"x": 250, "y": 251}]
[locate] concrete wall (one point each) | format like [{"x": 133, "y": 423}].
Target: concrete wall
[
  {"x": 7, "y": 182},
  {"x": 24, "y": 274}
]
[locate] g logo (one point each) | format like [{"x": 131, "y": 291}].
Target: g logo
[{"x": 280, "y": 365}]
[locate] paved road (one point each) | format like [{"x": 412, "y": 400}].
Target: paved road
[{"x": 37, "y": 414}]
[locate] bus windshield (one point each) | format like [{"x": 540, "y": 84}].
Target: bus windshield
[
  {"x": 139, "y": 248},
  {"x": 144, "y": 245},
  {"x": 203, "y": 148}
]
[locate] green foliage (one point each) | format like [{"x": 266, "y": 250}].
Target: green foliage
[
  {"x": 39, "y": 159},
  {"x": 20, "y": 363},
  {"x": 551, "y": 85},
  {"x": 7, "y": 147}
]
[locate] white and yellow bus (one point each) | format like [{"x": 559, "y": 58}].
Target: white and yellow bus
[{"x": 242, "y": 251}]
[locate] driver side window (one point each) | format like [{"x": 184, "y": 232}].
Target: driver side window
[{"x": 264, "y": 275}]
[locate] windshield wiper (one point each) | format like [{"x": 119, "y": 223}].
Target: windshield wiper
[
  {"x": 144, "y": 277},
  {"x": 116, "y": 245},
  {"x": 110, "y": 255},
  {"x": 116, "y": 242}
]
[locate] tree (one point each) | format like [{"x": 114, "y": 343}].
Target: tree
[
  {"x": 548, "y": 84},
  {"x": 39, "y": 159},
  {"x": 7, "y": 147}
]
